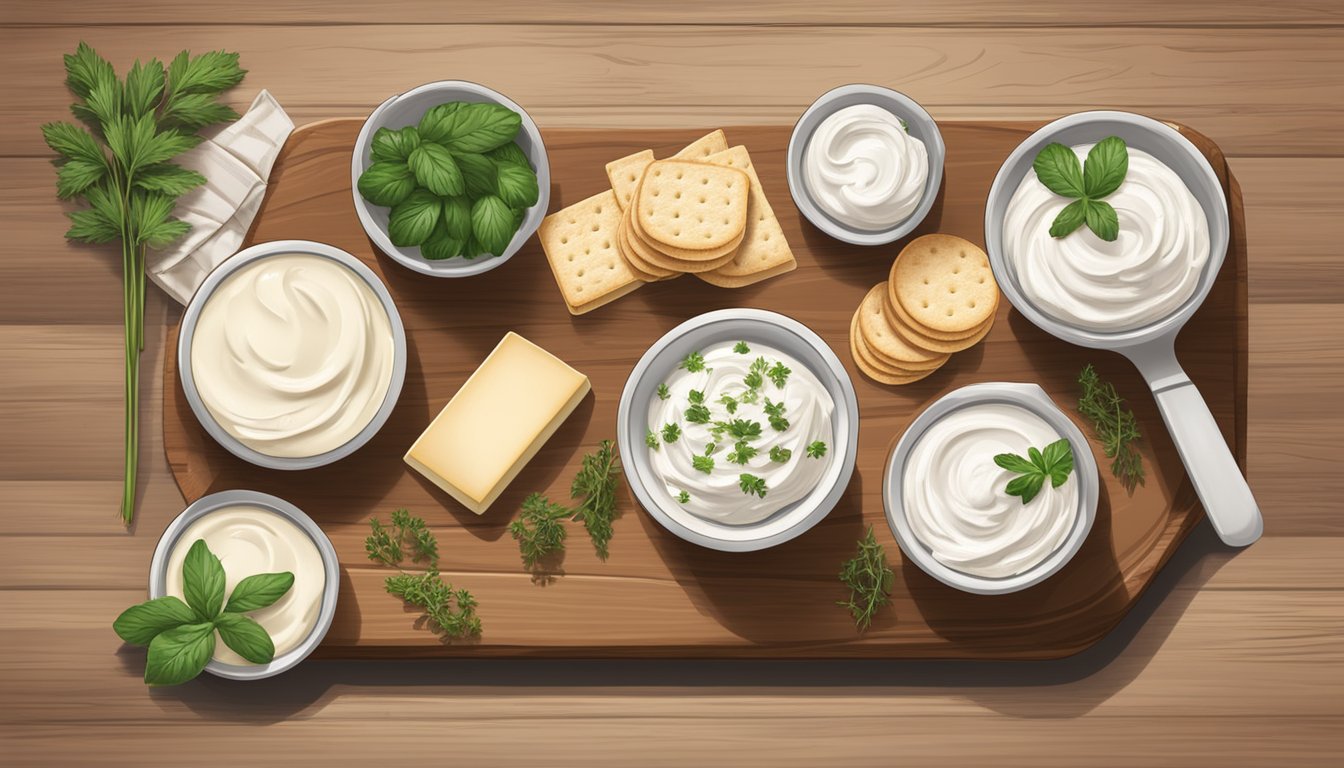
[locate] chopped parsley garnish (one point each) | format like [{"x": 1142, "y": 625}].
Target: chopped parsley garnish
[
  {"x": 671, "y": 432},
  {"x": 683, "y": 497},
  {"x": 751, "y": 484},
  {"x": 780, "y": 455},
  {"x": 697, "y": 414},
  {"x": 710, "y": 448},
  {"x": 703, "y": 464},
  {"x": 742, "y": 452},
  {"x": 740, "y": 429},
  {"x": 663, "y": 392},
  {"x": 749, "y": 397},
  {"x": 729, "y": 402},
  {"x": 756, "y": 374},
  {"x": 779, "y": 374},
  {"x": 696, "y": 396},
  {"x": 694, "y": 362},
  {"x": 741, "y": 348},
  {"x": 816, "y": 450},
  {"x": 775, "y": 411},
  {"x": 651, "y": 440}
]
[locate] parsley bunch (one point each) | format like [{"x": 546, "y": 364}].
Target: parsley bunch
[
  {"x": 120, "y": 163},
  {"x": 869, "y": 580}
]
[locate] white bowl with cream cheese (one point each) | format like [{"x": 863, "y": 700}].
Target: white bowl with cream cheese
[
  {"x": 252, "y": 533},
  {"x": 292, "y": 354},
  {"x": 945, "y": 497},
  {"x": 865, "y": 164}
]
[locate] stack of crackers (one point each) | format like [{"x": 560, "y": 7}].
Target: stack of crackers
[
  {"x": 939, "y": 299},
  {"x": 700, "y": 212}
]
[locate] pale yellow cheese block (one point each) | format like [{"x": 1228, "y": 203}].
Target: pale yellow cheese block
[{"x": 497, "y": 422}]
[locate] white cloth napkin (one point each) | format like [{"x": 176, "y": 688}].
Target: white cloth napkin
[{"x": 236, "y": 163}]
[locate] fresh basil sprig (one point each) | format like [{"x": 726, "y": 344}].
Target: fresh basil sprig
[
  {"x": 181, "y": 635},
  {"x": 1058, "y": 169},
  {"x": 1055, "y": 463}
]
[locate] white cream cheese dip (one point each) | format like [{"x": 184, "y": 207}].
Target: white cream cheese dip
[
  {"x": 955, "y": 500},
  {"x": 863, "y": 169},
  {"x": 292, "y": 355}
]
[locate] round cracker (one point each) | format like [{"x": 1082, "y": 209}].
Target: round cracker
[
  {"x": 938, "y": 345},
  {"x": 894, "y": 308},
  {"x": 642, "y": 269},
  {"x": 680, "y": 255},
  {"x": 647, "y": 253},
  {"x": 944, "y": 283},
  {"x": 692, "y": 206},
  {"x": 871, "y": 368},
  {"x": 885, "y": 344}
]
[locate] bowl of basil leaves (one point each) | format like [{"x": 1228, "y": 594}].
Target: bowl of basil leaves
[{"x": 450, "y": 178}]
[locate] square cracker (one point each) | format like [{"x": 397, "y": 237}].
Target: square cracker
[
  {"x": 624, "y": 175},
  {"x": 692, "y": 205},
  {"x": 580, "y": 243},
  {"x": 704, "y": 146},
  {"x": 764, "y": 252}
]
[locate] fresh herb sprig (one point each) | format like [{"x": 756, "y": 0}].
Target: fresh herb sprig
[
  {"x": 539, "y": 529},
  {"x": 121, "y": 165},
  {"x": 869, "y": 579},
  {"x": 181, "y": 635},
  {"x": 384, "y": 544},
  {"x": 1115, "y": 424},
  {"x": 452, "y": 611},
  {"x": 1086, "y": 183},
  {"x": 1054, "y": 462}
]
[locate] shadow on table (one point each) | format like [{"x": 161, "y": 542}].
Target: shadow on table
[{"x": 1064, "y": 688}]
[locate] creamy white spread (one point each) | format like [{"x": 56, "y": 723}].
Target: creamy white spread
[
  {"x": 1139, "y": 278},
  {"x": 954, "y": 494},
  {"x": 292, "y": 355},
  {"x": 778, "y": 432},
  {"x": 863, "y": 169},
  {"x": 249, "y": 540}
]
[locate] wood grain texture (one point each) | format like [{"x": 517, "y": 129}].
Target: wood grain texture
[
  {"x": 657, "y": 595},
  {"x": 1228, "y": 660}
]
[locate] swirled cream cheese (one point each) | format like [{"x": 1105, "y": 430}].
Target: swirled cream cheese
[
  {"x": 863, "y": 169},
  {"x": 249, "y": 540},
  {"x": 954, "y": 498},
  {"x": 1142, "y": 276},
  {"x": 739, "y": 432},
  {"x": 292, "y": 355}
]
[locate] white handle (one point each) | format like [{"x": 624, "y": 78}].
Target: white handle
[{"x": 1222, "y": 488}]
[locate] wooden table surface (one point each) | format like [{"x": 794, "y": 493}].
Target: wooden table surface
[{"x": 1231, "y": 659}]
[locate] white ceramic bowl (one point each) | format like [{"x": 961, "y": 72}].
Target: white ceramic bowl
[
  {"x": 331, "y": 569},
  {"x": 187, "y": 333},
  {"x": 919, "y": 124},
  {"x": 1034, "y": 399},
  {"x": 751, "y": 325},
  {"x": 407, "y": 109}
]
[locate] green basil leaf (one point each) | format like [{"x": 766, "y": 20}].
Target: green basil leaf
[
  {"x": 203, "y": 580},
  {"x": 258, "y": 591},
  {"x": 477, "y": 127},
  {"x": 457, "y": 218},
  {"x": 478, "y": 171},
  {"x": 518, "y": 186},
  {"x": 386, "y": 183},
  {"x": 438, "y": 122},
  {"x": 139, "y": 624},
  {"x": 412, "y": 221},
  {"x": 1026, "y": 486},
  {"x": 394, "y": 146},
  {"x": 1059, "y": 458},
  {"x": 493, "y": 224},
  {"x": 472, "y": 249},
  {"x": 1014, "y": 463},
  {"x": 442, "y": 244},
  {"x": 246, "y": 637},
  {"x": 1102, "y": 220},
  {"x": 1058, "y": 169},
  {"x": 1071, "y": 218},
  {"x": 510, "y": 154},
  {"x": 179, "y": 654},
  {"x": 1106, "y": 165},
  {"x": 1037, "y": 460},
  {"x": 436, "y": 170}
]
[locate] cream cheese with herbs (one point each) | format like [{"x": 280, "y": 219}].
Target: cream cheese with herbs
[{"x": 738, "y": 432}]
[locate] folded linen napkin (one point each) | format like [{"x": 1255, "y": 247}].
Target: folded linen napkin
[{"x": 236, "y": 163}]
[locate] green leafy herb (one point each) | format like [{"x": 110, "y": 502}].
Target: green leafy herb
[
  {"x": 595, "y": 485},
  {"x": 742, "y": 453},
  {"x": 651, "y": 440},
  {"x": 741, "y": 429},
  {"x": 779, "y": 373},
  {"x": 480, "y": 174},
  {"x": 387, "y": 183},
  {"x": 710, "y": 448},
  {"x": 394, "y": 145},
  {"x": 703, "y": 463},
  {"x": 120, "y": 164},
  {"x": 1058, "y": 169},
  {"x": 683, "y": 497},
  {"x": 694, "y": 362},
  {"x": 441, "y": 243},
  {"x": 697, "y": 414},
  {"x": 671, "y": 432},
  {"x": 663, "y": 392},
  {"x": 382, "y": 545},
  {"x": 493, "y": 224},
  {"x": 775, "y": 413},
  {"x": 412, "y": 221},
  {"x": 695, "y": 396},
  {"x": 436, "y": 169},
  {"x": 476, "y": 127},
  {"x": 1054, "y": 463},
  {"x": 741, "y": 348},
  {"x": 816, "y": 450},
  {"x": 510, "y": 154},
  {"x": 385, "y": 545},
  {"x": 869, "y": 580},
  {"x": 1114, "y": 424},
  {"x": 780, "y": 455},
  {"x": 518, "y": 186},
  {"x": 751, "y": 484},
  {"x": 452, "y": 611},
  {"x": 456, "y": 220},
  {"x": 181, "y": 635},
  {"x": 729, "y": 402},
  {"x": 539, "y": 529},
  {"x": 756, "y": 374}
]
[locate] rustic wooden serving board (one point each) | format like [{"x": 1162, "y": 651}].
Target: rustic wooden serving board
[{"x": 658, "y": 595}]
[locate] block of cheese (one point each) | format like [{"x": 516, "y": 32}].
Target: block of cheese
[{"x": 497, "y": 422}]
